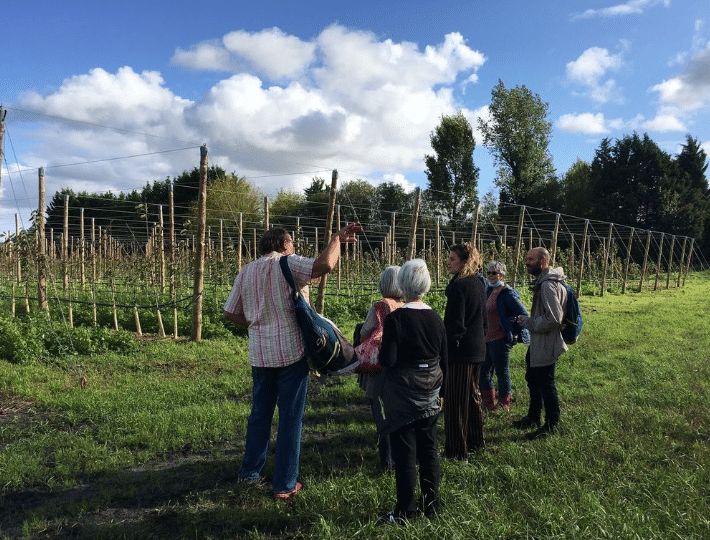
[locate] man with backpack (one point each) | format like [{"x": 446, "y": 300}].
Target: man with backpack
[{"x": 546, "y": 343}]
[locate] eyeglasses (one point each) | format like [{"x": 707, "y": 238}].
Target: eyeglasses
[{"x": 492, "y": 273}]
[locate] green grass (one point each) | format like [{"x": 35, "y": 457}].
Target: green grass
[{"x": 152, "y": 446}]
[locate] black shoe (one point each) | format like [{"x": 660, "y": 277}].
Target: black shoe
[
  {"x": 541, "y": 433},
  {"x": 526, "y": 423}
]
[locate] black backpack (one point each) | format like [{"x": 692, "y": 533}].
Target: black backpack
[{"x": 572, "y": 325}]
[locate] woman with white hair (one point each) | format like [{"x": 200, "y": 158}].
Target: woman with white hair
[
  {"x": 413, "y": 352},
  {"x": 371, "y": 373},
  {"x": 503, "y": 307}
]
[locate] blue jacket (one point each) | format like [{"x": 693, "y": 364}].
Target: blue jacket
[{"x": 509, "y": 307}]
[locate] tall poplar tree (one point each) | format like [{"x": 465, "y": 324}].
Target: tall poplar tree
[
  {"x": 518, "y": 134},
  {"x": 452, "y": 187}
]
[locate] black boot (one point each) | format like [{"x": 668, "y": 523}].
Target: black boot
[
  {"x": 526, "y": 423},
  {"x": 540, "y": 433}
]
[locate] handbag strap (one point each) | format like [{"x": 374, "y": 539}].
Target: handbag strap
[{"x": 283, "y": 263}]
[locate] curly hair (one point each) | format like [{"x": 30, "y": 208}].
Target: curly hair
[{"x": 471, "y": 258}]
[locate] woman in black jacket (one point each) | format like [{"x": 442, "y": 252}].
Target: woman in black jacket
[{"x": 465, "y": 322}]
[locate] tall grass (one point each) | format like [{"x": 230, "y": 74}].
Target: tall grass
[{"x": 151, "y": 447}]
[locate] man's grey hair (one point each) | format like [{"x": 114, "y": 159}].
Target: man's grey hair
[
  {"x": 496, "y": 266},
  {"x": 414, "y": 279},
  {"x": 389, "y": 283}
]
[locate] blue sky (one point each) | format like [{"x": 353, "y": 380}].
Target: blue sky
[{"x": 282, "y": 91}]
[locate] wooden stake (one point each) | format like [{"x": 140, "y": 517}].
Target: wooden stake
[
  {"x": 198, "y": 288},
  {"x": 328, "y": 232},
  {"x": 628, "y": 260}
]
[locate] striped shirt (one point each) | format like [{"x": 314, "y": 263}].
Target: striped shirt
[{"x": 263, "y": 296}]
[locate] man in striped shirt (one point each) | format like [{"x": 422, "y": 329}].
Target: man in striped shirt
[{"x": 261, "y": 300}]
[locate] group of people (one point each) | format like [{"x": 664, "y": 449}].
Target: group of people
[{"x": 426, "y": 365}]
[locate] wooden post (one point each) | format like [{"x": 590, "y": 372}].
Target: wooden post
[
  {"x": 65, "y": 245},
  {"x": 688, "y": 261},
  {"x": 198, "y": 288},
  {"x": 255, "y": 256},
  {"x": 645, "y": 260},
  {"x": 173, "y": 260},
  {"x": 239, "y": 244},
  {"x": 474, "y": 233},
  {"x": 19, "y": 259},
  {"x": 412, "y": 248},
  {"x": 658, "y": 264},
  {"x": 670, "y": 262},
  {"x": 93, "y": 270},
  {"x": 581, "y": 257},
  {"x": 393, "y": 242},
  {"x": 266, "y": 213},
  {"x": 82, "y": 250},
  {"x": 682, "y": 261},
  {"x": 328, "y": 233},
  {"x": 628, "y": 261},
  {"x": 220, "y": 239},
  {"x": 518, "y": 244},
  {"x": 607, "y": 254},
  {"x": 438, "y": 250},
  {"x": 553, "y": 248},
  {"x": 160, "y": 240},
  {"x": 41, "y": 255},
  {"x": 337, "y": 212}
]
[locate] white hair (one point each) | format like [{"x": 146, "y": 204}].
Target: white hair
[{"x": 414, "y": 279}]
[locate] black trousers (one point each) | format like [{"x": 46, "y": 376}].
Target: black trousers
[
  {"x": 543, "y": 391},
  {"x": 416, "y": 442}
]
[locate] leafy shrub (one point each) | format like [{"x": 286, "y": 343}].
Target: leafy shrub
[{"x": 18, "y": 341}]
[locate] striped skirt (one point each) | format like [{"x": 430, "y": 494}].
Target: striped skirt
[{"x": 463, "y": 411}]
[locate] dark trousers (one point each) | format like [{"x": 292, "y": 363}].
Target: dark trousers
[
  {"x": 541, "y": 384},
  {"x": 463, "y": 411},
  {"x": 411, "y": 443}
]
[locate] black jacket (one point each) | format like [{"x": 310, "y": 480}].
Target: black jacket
[{"x": 465, "y": 320}]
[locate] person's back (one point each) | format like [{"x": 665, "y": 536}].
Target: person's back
[{"x": 275, "y": 338}]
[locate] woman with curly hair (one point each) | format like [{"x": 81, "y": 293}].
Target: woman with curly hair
[{"x": 465, "y": 321}]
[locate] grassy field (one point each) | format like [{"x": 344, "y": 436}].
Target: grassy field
[{"x": 150, "y": 448}]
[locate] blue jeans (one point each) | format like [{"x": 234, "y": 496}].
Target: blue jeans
[
  {"x": 543, "y": 391},
  {"x": 498, "y": 360},
  {"x": 285, "y": 387}
]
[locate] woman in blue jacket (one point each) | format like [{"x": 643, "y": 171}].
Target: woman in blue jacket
[{"x": 502, "y": 308}]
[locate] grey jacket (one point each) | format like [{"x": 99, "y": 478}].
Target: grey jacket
[{"x": 546, "y": 316}]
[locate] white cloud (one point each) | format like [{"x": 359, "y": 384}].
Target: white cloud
[
  {"x": 597, "y": 124},
  {"x": 271, "y": 52},
  {"x": 690, "y": 90},
  {"x": 209, "y": 56},
  {"x": 664, "y": 122},
  {"x": 632, "y": 7},
  {"x": 588, "y": 70},
  {"x": 287, "y": 110},
  {"x": 399, "y": 179},
  {"x": 587, "y": 123}
]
